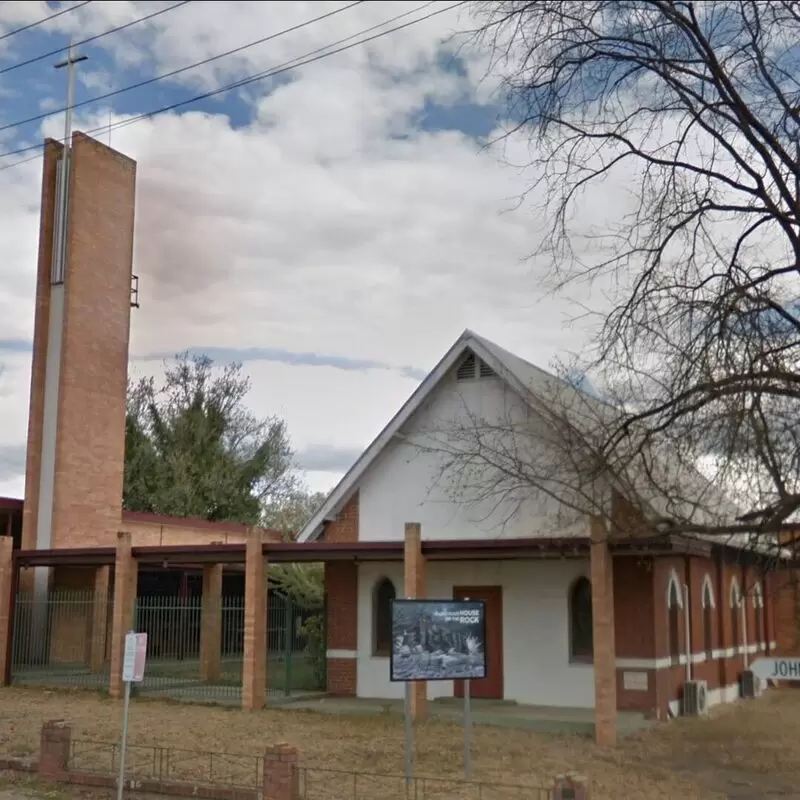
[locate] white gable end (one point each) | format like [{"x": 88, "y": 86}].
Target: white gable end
[{"x": 414, "y": 478}]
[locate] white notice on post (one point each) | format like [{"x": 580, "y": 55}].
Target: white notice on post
[{"x": 135, "y": 657}]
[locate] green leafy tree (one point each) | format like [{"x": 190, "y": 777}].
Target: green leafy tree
[
  {"x": 193, "y": 449},
  {"x": 303, "y": 582},
  {"x": 290, "y": 513}
]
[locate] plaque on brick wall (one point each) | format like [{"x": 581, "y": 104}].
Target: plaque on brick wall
[
  {"x": 438, "y": 640},
  {"x": 634, "y": 681}
]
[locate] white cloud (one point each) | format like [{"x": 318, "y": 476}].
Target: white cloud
[{"x": 331, "y": 223}]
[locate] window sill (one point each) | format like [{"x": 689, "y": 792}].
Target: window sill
[
  {"x": 381, "y": 655},
  {"x": 581, "y": 662}
]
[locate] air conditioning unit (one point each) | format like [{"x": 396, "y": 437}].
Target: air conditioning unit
[
  {"x": 752, "y": 685},
  {"x": 695, "y": 698}
]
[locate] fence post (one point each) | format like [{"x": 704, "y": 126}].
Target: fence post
[
  {"x": 571, "y": 787},
  {"x": 281, "y": 778},
  {"x": 7, "y": 598},
  {"x": 56, "y": 743},
  {"x": 211, "y": 623},
  {"x": 287, "y": 645},
  {"x": 323, "y": 658},
  {"x": 99, "y": 621}
]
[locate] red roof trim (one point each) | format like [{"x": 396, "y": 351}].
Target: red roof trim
[
  {"x": 284, "y": 552},
  {"x": 11, "y": 504},
  {"x": 145, "y": 517}
]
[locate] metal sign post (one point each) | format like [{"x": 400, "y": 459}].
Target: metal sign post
[
  {"x": 437, "y": 640},
  {"x": 132, "y": 672},
  {"x": 409, "y": 737},
  {"x": 467, "y": 726},
  {"x": 467, "y": 730}
]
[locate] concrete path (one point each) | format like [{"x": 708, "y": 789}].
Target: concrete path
[{"x": 500, "y": 714}]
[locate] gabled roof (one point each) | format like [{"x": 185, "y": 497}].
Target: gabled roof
[
  {"x": 520, "y": 375},
  {"x": 535, "y": 386}
]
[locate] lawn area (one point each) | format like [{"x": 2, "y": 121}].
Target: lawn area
[
  {"x": 748, "y": 750},
  {"x": 298, "y": 672}
]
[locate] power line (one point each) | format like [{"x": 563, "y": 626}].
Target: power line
[
  {"x": 82, "y": 42},
  {"x": 180, "y": 70},
  {"x": 44, "y": 19},
  {"x": 300, "y": 61}
]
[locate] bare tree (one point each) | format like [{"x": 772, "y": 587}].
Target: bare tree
[{"x": 693, "y": 107}]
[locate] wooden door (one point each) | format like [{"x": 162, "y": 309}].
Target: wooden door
[{"x": 490, "y": 687}]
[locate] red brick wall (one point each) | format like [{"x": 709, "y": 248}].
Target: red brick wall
[
  {"x": 341, "y": 588},
  {"x": 90, "y": 453},
  {"x": 633, "y": 598},
  {"x": 784, "y": 596},
  {"x": 633, "y": 628},
  {"x": 345, "y": 527},
  {"x": 643, "y": 625},
  {"x": 342, "y": 677}
]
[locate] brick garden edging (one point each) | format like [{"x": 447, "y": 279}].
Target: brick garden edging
[{"x": 279, "y": 777}]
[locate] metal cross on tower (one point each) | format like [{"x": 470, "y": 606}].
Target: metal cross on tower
[
  {"x": 71, "y": 60},
  {"x": 62, "y": 179}
]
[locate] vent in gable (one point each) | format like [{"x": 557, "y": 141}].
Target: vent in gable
[
  {"x": 472, "y": 367},
  {"x": 466, "y": 370},
  {"x": 485, "y": 371}
]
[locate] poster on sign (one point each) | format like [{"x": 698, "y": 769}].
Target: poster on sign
[{"x": 438, "y": 640}]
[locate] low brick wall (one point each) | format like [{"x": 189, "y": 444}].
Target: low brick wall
[{"x": 279, "y": 778}]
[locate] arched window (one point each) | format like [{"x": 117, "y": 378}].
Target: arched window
[
  {"x": 736, "y": 613},
  {"x": 581, "y": 633},
  {"x": 382, "y": 597},
  {"x": 674, "y": 605},
  {"x": 758, "y": 606},
  {"x": 708, "y": 617}
]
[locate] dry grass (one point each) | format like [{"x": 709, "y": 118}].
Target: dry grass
[{"x": 739, "y": 749}]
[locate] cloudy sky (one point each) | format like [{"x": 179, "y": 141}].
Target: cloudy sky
[{"x": 335, "y": 226}]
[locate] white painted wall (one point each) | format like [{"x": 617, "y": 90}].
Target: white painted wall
[
  {"x": 536, "y": 663},
  {"x": 410, "y": 484}
]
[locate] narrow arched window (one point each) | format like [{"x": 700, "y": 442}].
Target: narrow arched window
[
  {"x": 758, "y": 606},
  {"x": 581, "y": 633},
  {"x": 382, "y": 598},
  {"x": 708, "y": 617},
  {"x": 736, "y": 612},
  {"x": 674, "y": 614}
]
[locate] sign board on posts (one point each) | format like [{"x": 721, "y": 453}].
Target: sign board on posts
[
  {"x": 776, "y": 669},
  {"x": 135, "y": 657},
  {"x": 438, "y": 640}
]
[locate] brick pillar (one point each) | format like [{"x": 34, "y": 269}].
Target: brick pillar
[
  {"x": 254, "y": 669},
  {"x": 605, "y": 666},
  {"x": 97, "y": 654},
  {"x": 6, "y": 606},
  {"x": 571, "y": 787},
  {"x": 125, "y": 574},
  {"x": 341, "y": 592},
  {"x": 281, "y": 777},
  {"x": 54, "y": 749},
  {"x": 211, "y": 623},
  {"x": 415, "y": 573}
]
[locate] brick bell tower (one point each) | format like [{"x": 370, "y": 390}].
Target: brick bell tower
[{"x": 84, "y": 293}]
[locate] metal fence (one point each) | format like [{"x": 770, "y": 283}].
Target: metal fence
[
  {"x": 332, "y": 784},
  {"x": 162, "y": 764},
  {"x": 244, "y": 771},
  {"x": 61, "y": 638},
  {"x": 64, "y": 637}
]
